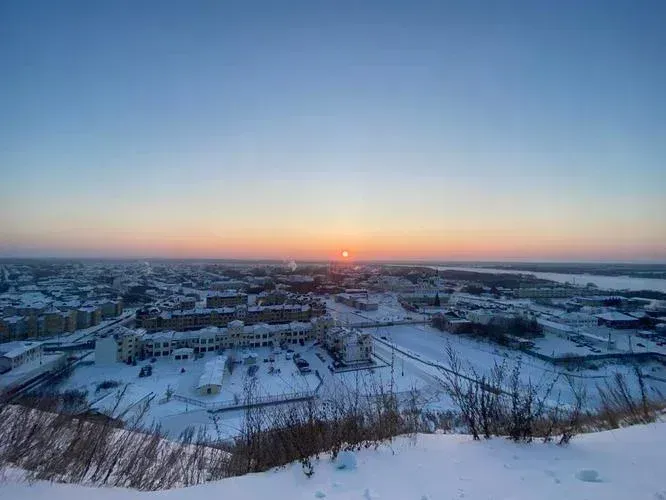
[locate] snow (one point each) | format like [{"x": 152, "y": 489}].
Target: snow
[
  {"x": 429, "y": 345},
  {"x": 602, "y": 282},
  {"x": 613, "y": 465},
  {"x": 346, "y": 460}
]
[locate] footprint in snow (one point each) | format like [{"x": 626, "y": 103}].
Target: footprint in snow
[
  {"x": 552, "y": 474},
  {"x": 588, "y": 476},
  {"x": 368, "y": 494}
]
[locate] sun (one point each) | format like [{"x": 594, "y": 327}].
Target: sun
[{"x": 345, "y": 254}]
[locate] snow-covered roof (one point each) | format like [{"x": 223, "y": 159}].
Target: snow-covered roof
[
  {"x": 213, "y": 372},
  {"x": 614, "y": 316},
  {"x": 17, "y": 348}
]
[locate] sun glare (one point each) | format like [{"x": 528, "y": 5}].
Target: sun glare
[{"x": 345, "y": 254}]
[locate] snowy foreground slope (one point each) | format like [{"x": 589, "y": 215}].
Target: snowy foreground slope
[{"x": 625, "y": 464}]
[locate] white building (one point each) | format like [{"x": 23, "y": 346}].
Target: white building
[
  {"x": 349, "y": 345},
  {"x": 577, "y": 319},
  {"x": 212, "y": 377},
  {"x": 17, "y": 353}
]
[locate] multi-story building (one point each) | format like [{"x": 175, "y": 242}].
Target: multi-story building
[
  {"x": 349, "y": 346},
  {"x": 130, "y": 345},
  {"x": 111, "y": 308},
  {"x": 357, "y": 301},
  {"x": 196, "y": 319},
  {"x": 70, "y": 318},
  {"x": 88, "y": 315},
  {"x": 179, "y": 303},
  {"x": 17, "y": 353},
  {"x": 121, "y": 344},
  {"x": 228, "y": 298},
  {"x": 53, "y": 321}
]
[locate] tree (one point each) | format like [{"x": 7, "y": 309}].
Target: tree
[{"x": 437, "y": 302}]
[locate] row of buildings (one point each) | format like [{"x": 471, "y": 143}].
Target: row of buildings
[
  {"x": 36, "y": 320},
  {"x": 16, "y": 353},
  {"x": 154, "y": 319},
  {"x": 357, "y": 301},
  {"x": 128, "y": 345}
]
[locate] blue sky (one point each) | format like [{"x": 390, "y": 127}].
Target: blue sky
[{"x": 398, "y": 129}]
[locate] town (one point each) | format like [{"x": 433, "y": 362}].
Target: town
[{"x": 195, "y": 340}]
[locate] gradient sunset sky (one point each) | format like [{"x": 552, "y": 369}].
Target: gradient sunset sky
[{"x": 471, "y": 130}]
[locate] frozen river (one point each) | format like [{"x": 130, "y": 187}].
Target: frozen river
[{"x": 603, "y": 282}]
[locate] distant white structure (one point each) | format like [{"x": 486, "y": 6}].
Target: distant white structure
[
  {"x": 16, "y": 353},
  {"x": 213, "y": 375}
]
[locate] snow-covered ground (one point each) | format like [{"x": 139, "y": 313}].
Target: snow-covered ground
[
  {"x": 176, "y": 415},
  {"x": 429, "y": 345},
  {"x": 603, "y": 282},
  {"x": 613, "y": 465},
  {"x": 389, "y": 310}
]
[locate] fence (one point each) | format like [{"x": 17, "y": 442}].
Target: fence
[
  {"x": 632, "y": 357},
  {"x": 256, "y": 401},
  {"x": 373, "y": 324}
]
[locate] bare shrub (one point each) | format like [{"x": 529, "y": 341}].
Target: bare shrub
[
  {"x": 620, "y": 405},
  {"x": 499, "y": 403}
]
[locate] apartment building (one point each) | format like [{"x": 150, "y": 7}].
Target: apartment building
[
  {"x": 17, "y": 353},
  {"x": 357, "y": 301},
  {"x": 53, "y": 321},
  {"x": 236, "y": 335},
  {"x": 13, "y": 328},
  {"x": 179, "y": 303},
  {"x": 349, "y": 346},
  {"x": 197, "y": 319},
  {"x": 110, "y": 308},
  {"x": 121, "y": 344},
  {"x": 228, "y": 298},
  {"x": 87, "y": 316},
  {"x": 128, "y": 345}
]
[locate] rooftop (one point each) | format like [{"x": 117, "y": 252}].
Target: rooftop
[{"x": 17, "y": 348}]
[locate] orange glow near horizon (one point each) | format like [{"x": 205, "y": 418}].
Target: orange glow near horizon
[{"x": 373, "y": 245}]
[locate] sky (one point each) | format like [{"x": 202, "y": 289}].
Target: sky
[{"x": 441, "y": 130}]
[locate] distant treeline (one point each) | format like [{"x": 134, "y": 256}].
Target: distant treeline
[
  {"x": 493, "y": 280},
  {"x": 633, "y": 270}
]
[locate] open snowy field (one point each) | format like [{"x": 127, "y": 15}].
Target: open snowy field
[
  {"x": 389, "y": 310},
  {"x": 613, "y": 465},
  {"x": 175, "y": 415},
  {"x": 429, "y": 345},
  {"x": 168, "y": 375}
]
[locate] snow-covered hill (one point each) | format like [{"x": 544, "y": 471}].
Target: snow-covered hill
[{"x": 625, "y": 464}]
